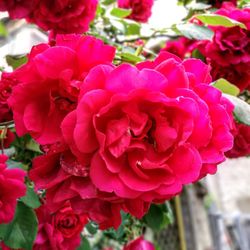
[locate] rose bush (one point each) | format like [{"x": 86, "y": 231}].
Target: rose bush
[
  {"x": 53, "y": 74},
  {"x": 65, "y": 16},
  {"x": 11, "y": 187},
  {"x": 228, "y": 53},
  {"x": 60, "y": 230},
  {"x": 142, "y": 123},
  {"x": 141, "y": 9}
]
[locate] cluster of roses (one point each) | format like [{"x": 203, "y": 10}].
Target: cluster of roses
[
  {"x": 114, "y": 137},
  {"x": 69, "y": 16},
  {"x": 228, "y": 54}
]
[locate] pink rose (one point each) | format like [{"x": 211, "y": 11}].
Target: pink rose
[
  {"x": 138, "y": 126},
  {"x": 17, "y": 8},
  {"x": 65, "y": 16},
  {"x": 229, "y": 52},
  {"x": 59, "y": 230},
  {"x": 139, "y": 244},
  {"x": 181, "y": 47},
  {"x": 50, "y": 83},
  {"x": 241, "y": 133},
  {"x": 12, "y": 187},
  {"x": 141, "y": 9}
]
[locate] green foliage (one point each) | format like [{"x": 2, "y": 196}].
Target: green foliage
[
  {"x": 31, "y": 199},
  {"x": 3, "y": 30},
  {"x": 159, "y": 216},
  {"x": 194, "y": 31},
  {"x": 85, "y": 245},
  {"x": 21, "y": 232},
  {"x": 226, "y": 87},
  {"x": 92, "y": 227},
  {"x": 218, "y": 20},
  {"x": 16, "y": 61},
  {"x": 241, "y": 109},
  {"x": 121, "y": 13}
]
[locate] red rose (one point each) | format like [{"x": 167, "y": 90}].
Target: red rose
[
  {"x": 7, "y": 82},
  {"x": 141, "y": 9},
  {"x": 181, "y": 47},
  {"x": 141, "y": 124},
  {"x": 65, "y": 16},
  {"x": 66, "y": 180},
  {"x": 17, "y": 8},
  {"x": 139, "y": 244},
  {"x": 50, "y": 83},
  {"x": 241, "y": 133},
  {"x": 12, "y": 187},
  {"x": 60, "y": 230},
  {"x": 229, "y": 52},
  {"x": 218, "y": 3}
]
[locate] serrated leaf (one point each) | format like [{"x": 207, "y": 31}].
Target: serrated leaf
[
  {"x": 21, "y": 232},
  {"x": 92, "y": 227},
  {"x": 132, "y": 28},
  {"x": 108, "y": 2},
  {"x": 16, "y": 61},
  {"x": 14, "y": 164},
  {"x": 121, "y": 13},
  {"x": 194, "y": 31},
  {"x": 33, "y": 146},
  {"x": 154, "y": 218},
  {"x": 226, "y": 87},
  {"x": 241, "y": 109},
  {"x": 218, "y": 20},
  {"x": 31, "y": 199}
]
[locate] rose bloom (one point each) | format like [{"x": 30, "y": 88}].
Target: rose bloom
[
  {"x": 65, "y": 16},
  {"x": 181, "y": 47},
  {"x": 229, "y": 51},
  {"x": 67, "y": 180},
  {"x": 139, "y": 244},
  {"x": 60, "y": 230},
  {"x": 218, "y": 3},
  {"x": 17, "y": 8},
  {"x": 7, "y": 82},
  {"x": 138, "y": 125},
  {"x": 49, "y": 84},
  {"x": 241, "y": 133},
  {"x": 141, "y": 9},
  {"x": 12, "y": 187}
]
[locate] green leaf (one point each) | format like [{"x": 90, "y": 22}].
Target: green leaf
[
  {"x": 241, "y": 109},
  {"x": 226, "y": 87},
  {"x": 121, "y": 13},
  {"x": 108, "y": 2},
  {"x": 16, "y": 61},
  {"x": 132, "y": 28},
  {"x": 33, "y": 146},
  {"x": 197, "y": 54},
  {"x": 218, "y": 20},
  {"x": 85, "y": 245},
  {"x": 92, "y": 227},
  {"x": 154, "y": 218},
  {"x": 14, "y": 164},
  {"x": 31, "y": 199},
  {"x": 194, "y": 31},
  {"x": 128, "y": 57},
  {"x": 3, "y": 30},
  {"x": 21, "y": 232}
]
